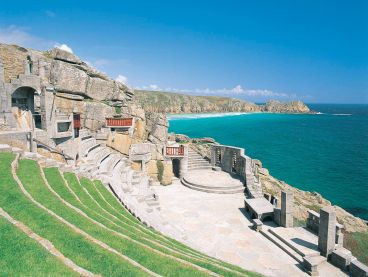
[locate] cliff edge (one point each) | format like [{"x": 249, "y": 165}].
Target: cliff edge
[{"x": 175, "y": 103}]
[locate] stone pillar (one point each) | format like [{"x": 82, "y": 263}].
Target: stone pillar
[
  {"x": 287, "y": 203},
  {"x": 213, "y": 156},
  {"x": 327, "y": 231}
]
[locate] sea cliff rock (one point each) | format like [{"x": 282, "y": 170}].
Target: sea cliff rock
[
  {"x": 168, "y": 102},
  {"x": 275, "y": 106}
]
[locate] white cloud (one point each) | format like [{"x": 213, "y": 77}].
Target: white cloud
[
  {"x": 20, "y": 36},
  {"x": 122, "y": 79},
  {"x": 64, "y": 47},
  {"x": 154, "y": 87},
  {"x": 238, "y": 90},
  {"x": 50, "y": 14}
]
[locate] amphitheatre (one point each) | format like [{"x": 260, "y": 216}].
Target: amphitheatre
[{"x": 92, "y": 184}]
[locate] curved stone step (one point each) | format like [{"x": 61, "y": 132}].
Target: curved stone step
[
  {"x": 232, "y": 187},
  {"x": 219, "y": 191}
]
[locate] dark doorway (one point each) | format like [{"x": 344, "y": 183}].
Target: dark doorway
[
  {"x": 176, "y": 167},
  {"x": 77, "y": 124},
  {"x": 23, "y": 98}
]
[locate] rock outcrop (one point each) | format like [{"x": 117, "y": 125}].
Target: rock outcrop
[
  {"x": 274, "y": 106},
  {"x": 79, "y": 88},
  {"x": 167, "y": 102}
]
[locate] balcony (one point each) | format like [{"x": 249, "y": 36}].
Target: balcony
[
  {"x": 174, "y": 151},
  {"x": 119, "y": 122}
]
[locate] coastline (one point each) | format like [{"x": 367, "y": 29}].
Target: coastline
[{"x": 305, "y": 200}]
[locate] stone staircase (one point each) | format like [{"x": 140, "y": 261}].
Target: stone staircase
[
  {"x": 297, "y": 253},
  {"x": 132, "y": 188},
  {"x": 196, "y": 161}
]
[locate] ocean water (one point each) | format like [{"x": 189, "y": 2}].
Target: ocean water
[{"x": 326, "y": 152}]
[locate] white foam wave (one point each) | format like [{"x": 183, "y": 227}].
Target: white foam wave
[
  {"x": 201, "y": 115},
  {"x": 342, "y": 114}
]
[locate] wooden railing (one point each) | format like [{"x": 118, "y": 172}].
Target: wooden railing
[
  {"x": 175, "y": 151},
  {"x": 119, "y": 122}
]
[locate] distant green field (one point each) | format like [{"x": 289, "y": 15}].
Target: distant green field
[{"x": 108, "y": 241}]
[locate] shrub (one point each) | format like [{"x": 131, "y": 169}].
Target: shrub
[{"x": 118, "y": 110}]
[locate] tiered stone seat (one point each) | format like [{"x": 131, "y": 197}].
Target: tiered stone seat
[
  {"x": 86, "y": 145},
  {"x": 109, "y": 163}
]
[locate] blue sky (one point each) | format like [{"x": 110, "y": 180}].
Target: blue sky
[{"x": 316, "y": 51}]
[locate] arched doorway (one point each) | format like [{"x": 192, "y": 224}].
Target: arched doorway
[
  {"x": 23, "y": 98},
  {"x": 176, "y": 167},
  {"x": 23, "y": 108}
]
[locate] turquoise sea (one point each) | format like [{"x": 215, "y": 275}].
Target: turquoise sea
[{"x": 326, "y": 152}]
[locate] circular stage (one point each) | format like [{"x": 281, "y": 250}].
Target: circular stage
[{"x": 212, "y": 181}]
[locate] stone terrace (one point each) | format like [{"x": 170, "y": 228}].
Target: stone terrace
[{"x": 216, "y": 225}]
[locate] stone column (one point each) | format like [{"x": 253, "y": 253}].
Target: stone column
[
  {"x": 287, "y": 203},
  {"x": 213, "y": 156},
  {"x": 327, "y": 231}
]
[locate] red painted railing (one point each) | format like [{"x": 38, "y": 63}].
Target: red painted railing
[
  {"x": 175, "y": 151},
  {"x": 119, "y": 122}
]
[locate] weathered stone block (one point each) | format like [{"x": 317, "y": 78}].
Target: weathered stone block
[
  {"x": 358, "y": 269},
  {"x": 341, "y": 258},
  {"x": 100, "y": 89},
  {"x": 257, "y": 225},
  {"x": 327, "y": 231},
  {"x": 287, "y": 203},
  {"x": 277, "y": 215},
  {"x": 66, "y": 78},
  {"x": 119, "y": 142},
  {"x": 62, "y": 55}
]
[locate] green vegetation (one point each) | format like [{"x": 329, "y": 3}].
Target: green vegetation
[
  {"x": 118, "y": 110},
  {"x": 82, "y": 251},
  {"x": 17, "y": 248},
  {"x": 357, "y": 243},
  {"x": 93, "y": 209},
  {"x": 160, "y": 169},
  {"x": 161, "y": 101}
]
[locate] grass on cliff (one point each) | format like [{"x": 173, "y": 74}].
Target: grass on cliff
[
  {"x": 159, "y": 264},
  {"x": 17, "y": 248},
  {"x": 74, "y": 246},
  {"x": 357, "y": 243}
]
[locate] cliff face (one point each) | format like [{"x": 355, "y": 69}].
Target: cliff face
[
  {"x": 167, "y": 102},
  {"x": 78, "y": 88},
  {"x": 274, "y": 106}
]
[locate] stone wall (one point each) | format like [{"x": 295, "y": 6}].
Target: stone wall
[
  {"x": 233, "y": 160},
  {"x": 20, "y": 139},
  {"x": 12, "y": 57}
]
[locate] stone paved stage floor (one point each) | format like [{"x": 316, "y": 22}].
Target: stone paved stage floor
[
  {"x": 216, "y": 225},
  {"x": 213, "y": 181}
]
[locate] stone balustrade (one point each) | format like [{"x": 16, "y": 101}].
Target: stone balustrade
[{"x": 313, "y": 225}]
